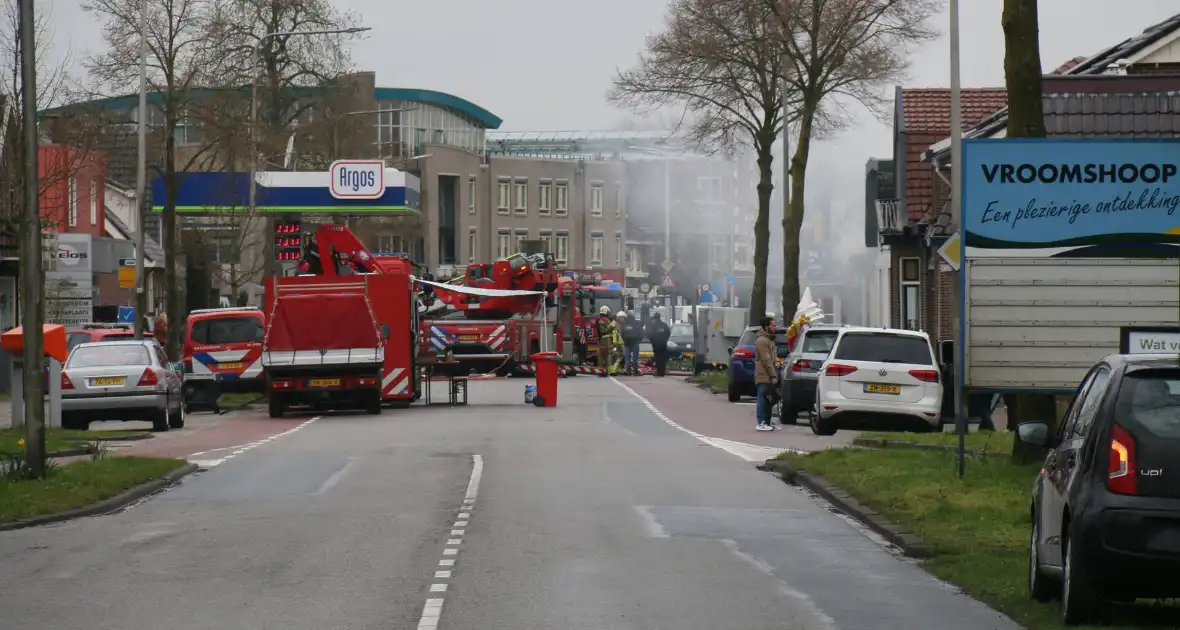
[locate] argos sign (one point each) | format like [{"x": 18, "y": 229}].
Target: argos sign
[{"x": 358, "y": 179}]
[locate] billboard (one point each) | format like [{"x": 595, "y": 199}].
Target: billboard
[
  {"x": 1091, "y": 197},
  {"x": 69, "y": 288}
]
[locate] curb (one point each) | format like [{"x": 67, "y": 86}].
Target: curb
[
  {"x": 881, "y": 443},
  {"x": 116, "y": 502},
  {"x": 909, "y": 544},
  {"x": 111, "y": 438},
  {"x": 70, "y": 452}
]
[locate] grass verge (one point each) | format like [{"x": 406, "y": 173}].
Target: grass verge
[
  {"x": 78, "y": 485},
  {"x": 718, "y": 380},
  {"x": 59, "y": 439},
  {"x": 990, "y": 441},
  {"x": 236, "y": 399},
  {"x": 976, "y": 528}
]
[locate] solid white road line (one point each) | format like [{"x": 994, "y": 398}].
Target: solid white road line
[
  {"x": 432, "y": 611},
  {"x": 242, "y": 448},
  {"x": 748, "y": 452}
]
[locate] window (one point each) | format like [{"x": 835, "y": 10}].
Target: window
[
  {"x": 521, "y": 237},
  {"x": 884, "y": 348},
  {"x": 522, "y": 196},
  {"x": 544, "y": 196},
  {"x": 1151, "y": 400},
  {"x": 109, "y": 356},
  {"x": 596, "y": 248},
  {"x": 561, "y": 247},
  {"x": 93, "y": 203},
  {"x": 709, "y": 188},
  {"x": 1091, "y": 399},
  {"x": 471, "y": 245},
  {"x": 503, "y": 192},
  {"x": 471, "y": 195},
  {"x": 504, "y": 244},
  {"x": 596, "y": 199},
  {"x": 72, "y": 211},
  {"x": 223, "y": 248},
  {"x": 618, "y": 249},
  {"x": 561, "y": 205},
  {"x": 910, "y": 290},
  {"x": 619, "y": 199},
  {"x": 546, "y": 237},
  {"x": 391, "y": 244},
  {"x": 819, "y": 341},
  {"x": 219, "y": 330},
  {"x": 635, "y": 259}
]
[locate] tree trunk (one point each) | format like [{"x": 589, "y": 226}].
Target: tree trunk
[
  {"x": 1022, "y": 69},
  {"x": 174, "y": 304},
  {"x": 793, "y": 217},
  {"x": 763, "y": 144},
  {"x": 1026, "y": 119}
]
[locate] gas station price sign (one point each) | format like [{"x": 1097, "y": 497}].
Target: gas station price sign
[{"x": 288, "y": 241}]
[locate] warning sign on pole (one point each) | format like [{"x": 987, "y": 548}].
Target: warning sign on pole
[{"x": 667, "y": 282}]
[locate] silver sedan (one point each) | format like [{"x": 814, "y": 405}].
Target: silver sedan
[{"x": 121, "y": 380}]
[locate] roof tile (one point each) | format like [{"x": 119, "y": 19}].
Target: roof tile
[{"x": 928, "y": 110}]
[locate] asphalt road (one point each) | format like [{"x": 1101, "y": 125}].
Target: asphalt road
[{"x": 597, "y": 514}]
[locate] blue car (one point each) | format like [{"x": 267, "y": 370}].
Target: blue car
[{"x": 741, "y": 362}]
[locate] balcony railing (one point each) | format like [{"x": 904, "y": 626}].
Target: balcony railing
[{"x": 891, "y": 216}]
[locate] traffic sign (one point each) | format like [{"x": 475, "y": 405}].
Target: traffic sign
[
  {"x": 950, "y": 251},
  {"x": 126, "y": 314},
  {"x": 729, "y": 279},
  {"x": 667, "y": 282},
  {"x": 668, "y": 265},
  {"x": 126, "y": 273},
  {"x": 645, "y": 288}
]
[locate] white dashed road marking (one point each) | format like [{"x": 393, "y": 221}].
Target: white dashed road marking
[
  {"x": 242, "y": 448},
  {"x": 432, "y": 610},
  {"x": 748, "y": 452}
]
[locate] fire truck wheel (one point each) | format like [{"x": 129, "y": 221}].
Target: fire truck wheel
[
  {"x": 374, "y": 406},
  {"x": 276, "y": 406}
]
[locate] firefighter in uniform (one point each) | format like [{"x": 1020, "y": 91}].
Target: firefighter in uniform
[
  {"x": 604, "y": 327},
  {"x": 618, "y": 359}
]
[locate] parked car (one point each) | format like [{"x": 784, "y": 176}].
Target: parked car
[
  {"x": 1106, "y": 506},
  {"x": 680, "y": 342},
  {"x": 88, "y": 333},
  {"x": 121, "y": 380},
  {"x": 802, "y": 367},
  {"x": 741, "y": 362},
  {"x": 878, "y": 378}
]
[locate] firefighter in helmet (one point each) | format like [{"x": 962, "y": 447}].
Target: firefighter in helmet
[{"x": 604, "y": 327}]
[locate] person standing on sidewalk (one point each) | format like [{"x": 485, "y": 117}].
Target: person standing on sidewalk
[
  {"x": 658, "y": 332},
  {"x": 765, "y": 375},
  {"x": 604, "y": 329}
]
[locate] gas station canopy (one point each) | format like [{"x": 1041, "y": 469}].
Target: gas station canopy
[{"x": 280, "y": 192}]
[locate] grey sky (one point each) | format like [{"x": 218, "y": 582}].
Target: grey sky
[{"x": 546, "y": 64}]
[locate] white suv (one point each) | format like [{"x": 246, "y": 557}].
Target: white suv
[{"x": 878, "y": 378}]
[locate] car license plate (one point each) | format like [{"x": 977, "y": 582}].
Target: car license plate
[
  {"x": 108, "y": 381},
  {"x": 877, "y": 388},
  {"x": 237, "y": 365},
  {"x": 324, "y": 382},
  {"x": 469, "y": 337}
]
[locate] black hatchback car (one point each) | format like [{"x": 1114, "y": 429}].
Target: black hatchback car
[{"x": 1106, "y": 505}]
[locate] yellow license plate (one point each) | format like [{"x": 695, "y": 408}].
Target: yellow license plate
[
  {"x": 324, "y": 382},
  {"x": 469, "y": 337},
  {"x": 231, "y": 366},
  {"x": 876, "y": 388},
  {"x": 108, "y": 381}
]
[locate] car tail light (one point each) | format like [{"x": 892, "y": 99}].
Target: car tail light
[
  {"x": 1121, "y": 479},
  {"x": 282, "y": 384},
  {"x": 66, "y": 383},
  {"x": 366, "y": 381},
  {"x": 800, "y": 364},
  {"x": 926, "y": 376},
  {"x": 836, "y": 369},
  {"x": 742, "y": 353},
  {"x": 149, "y": 379}
]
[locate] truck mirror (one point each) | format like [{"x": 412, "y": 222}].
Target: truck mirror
[
  {"x": 385, "y": 331},
  {"x": 946, "y": 352}
]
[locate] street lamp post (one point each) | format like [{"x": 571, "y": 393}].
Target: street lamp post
[
  {"x": 141, "y": 179},
  {"x": 957, "y": 220},
  {"x": 253, "y": 188}
]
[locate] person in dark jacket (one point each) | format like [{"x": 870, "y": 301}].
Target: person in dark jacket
[
  {"x": 659, "y": 332},
  {"x": 632, "y": 333}
]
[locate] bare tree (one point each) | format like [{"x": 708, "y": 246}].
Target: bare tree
[
  {"x": 839, "y": 51},
  {"x": 185, "y": 60},
  {"x": 719, "y": 61},
  {"x": 264, "y": 45},
  {"x": 1026, "y": 119}
]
